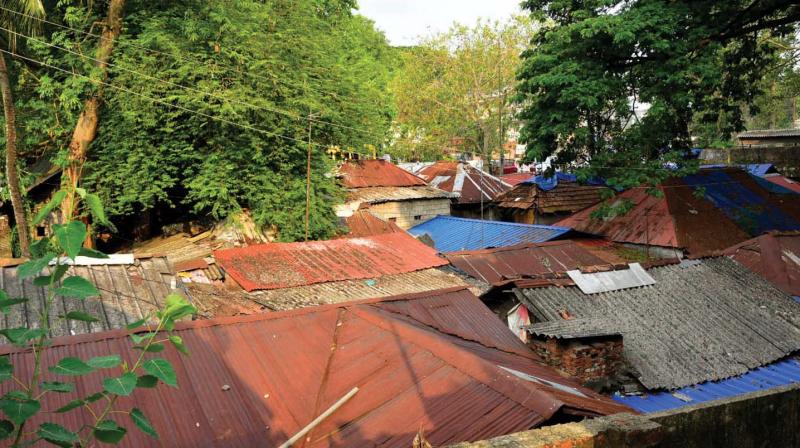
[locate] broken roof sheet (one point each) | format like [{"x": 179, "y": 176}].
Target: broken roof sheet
[
  {"x": 596, "y": 282},
  {"x": 468, "y": 184},
  {"x": 699, "y": 322},
  {"x": 775, "y": 256},
  {"x": 285, "y": 265},
  {"x": 376, "y": 173},
  {"x": 708, "y": 211},
  {"x": 497, "y": 266},
  {"x": 451, "y": 234},
  {"x": 440, "y": 362},
  {"x": 566, "y": 196}
]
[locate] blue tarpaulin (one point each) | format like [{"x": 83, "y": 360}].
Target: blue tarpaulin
[
  {"x": 451, "y": 234},
  {"x": 548, "y": 183}
]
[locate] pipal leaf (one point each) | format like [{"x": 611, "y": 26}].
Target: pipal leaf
[
  {"x": 34, "y": 267},
  {"x": 122, "y": 385},
  {"x": 95, "y": 206},
  {"x": 177, "y": 307},
  {"x": 55, "y": 386},
  {"x": 152, "y": 348},
  {"x": 77, "y": 287},
  {"x": 136, "y": 324},
  {"x": 162, "y": 370},
  {"x": 22, "y": 335},
  {"x": 142, "y": 423},
  {"x": 105, "y": 362},
  {"x": 71, "y": 367},
  {"x": 6, "y": 428},
  {"x": 177, "y": 341},
  {"x": 6, "y": 304},
  {"x": 55, "y": 201},
  {"x": 91, "y": 253},
  {"x": 139, "y": 338},
  {"x": 81, "y": 192},
  {"x": 147, "y": 381},
  {"x": 18, "y": 407},
  {"x": 6, "y": 369},
  {"x": 74, "y": 404},
  {"x": 81, "y": 316},
  {"x": 57, "y": 434},
  {"x": 42, "y": 280},
  {"x": 108, "y": 431},
  {"x": 70, "y": 237},
  {"x": 94, "y": 397}
]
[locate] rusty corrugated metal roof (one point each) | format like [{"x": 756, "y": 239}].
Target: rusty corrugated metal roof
[
  {"x": 378, "y": 195},
  {"x": 284, "y": 265},
  {"x": 775, "y": 256},
  {"x": 376, "y": 173},
  {"x": 466, "y": 182},
  {"x": 784, "y": 182},
  {"x": 362, "y": 223},
  {"x": 441, "y": 362},
  {"x": 565, "y": 197},
  {"x": 516, "y": 178},
  {"x": 497, "y": 266}
]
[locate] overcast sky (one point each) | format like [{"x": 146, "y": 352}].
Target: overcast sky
[{"x": 404, "y": 20}]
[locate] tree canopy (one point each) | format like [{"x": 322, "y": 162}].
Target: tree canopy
[{"x": 685, "y": 62}]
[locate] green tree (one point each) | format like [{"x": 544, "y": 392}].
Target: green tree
[
  {"x": 458, "y": 87},
  {"x": 597, "y": 60}
]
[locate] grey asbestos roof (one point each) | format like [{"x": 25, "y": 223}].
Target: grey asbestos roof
[
  {"x": 128, "y": 293},
  {"x": 704, "y": 322},
  {"x": 770, "y": 133},
  {"x": 576, "y": 328}
]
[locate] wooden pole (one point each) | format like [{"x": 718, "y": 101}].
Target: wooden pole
[
  {"x": 308, "y": 178},
  {"x": 319, "y": 419}
]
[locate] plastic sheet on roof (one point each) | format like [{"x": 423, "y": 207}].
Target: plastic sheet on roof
[{"x": 452, "y": 234}]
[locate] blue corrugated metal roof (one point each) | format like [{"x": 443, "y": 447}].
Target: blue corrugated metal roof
[
  {"x": 452, "y": 234},
  {"x": 781, "y": 373},
  {"x": 758, "y": 169}
]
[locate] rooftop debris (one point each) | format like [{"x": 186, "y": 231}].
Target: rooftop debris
[
  {"x": 452, "y": 234},
  {"x": 775, "y": 256},
  {"x": 468, "y": 184}
]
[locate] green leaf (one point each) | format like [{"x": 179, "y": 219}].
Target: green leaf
[
  {"x": 71, "y": 367},
  {"x": 177, "y": 341},
  {"x": 138, "y": 339},
  {"x": 147, "y": 381},
  {"x": 81, "y": 192},
  {"x": 77, "y": 287},
  {"x": 152, "y": 348},
  {"x": 6, "y": 429},
  {"x": 95, "y": 206},
  {"x": 94, "y": 397},
  {"x": 81, "y": 316},
  {"x": 74, "y": 404},
  {"x": 57, "y": 434},
  {"x": 108, "y": 431},
  {"x": 55, "y": 201},
  {"x": 91, "y": 253},
  {"x": 55, "y": 386},
  {"x": 22, "y": 335},
  {"x": 162, "y": 370},
  {"x": 123, "y": 385},
  {"x": 6, "y": 369},
  {"x": 136, "y": 324},
  {"x": 42, "y": 280},
  {"x": 70, "y": 237},
  {"x": 142, "y": 423},
  {"x": 104, "y": 362},
  {"x": 18, "y": 407},
  {"x": 177, "y": 307},
  {"x": 5, "y": 304},
  {"x": 34, "y": 267}
]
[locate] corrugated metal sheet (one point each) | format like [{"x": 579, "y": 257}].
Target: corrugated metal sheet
[
  {"x": 597, "y": 282},
  {"x": 733, "y": 208},
  {"x": 499, "y": 265},
  {"x": 775, "y": 256},
  {"x": 284, "y": 265},
  {"x": 378, "y": 195},
  {"x": 698, "y": 323},
  {"x": 452, "y": 234},
  {"x": 466, "y": 182},
  {"x": 516, "y": 178},
  {"x": 407, "y": 355},
  {"x": 783, "y": 181},
  {"x": 128, "y": 293},
  {"x": 376, "y": 173},
  {"x": 362, "y": 223},
  {"x": 781, "y": 373},
  {"x": 565, "y": 197}
]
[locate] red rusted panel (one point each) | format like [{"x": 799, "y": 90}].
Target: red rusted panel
[
  {"x": 376, "y": 173},
  {"x": 516, "y": 178},
  {"x": 257, "y": 380},
  {"x": 466, "y": 181},
  {"x": 785, "y": 182},
  {"x": 775, "y": 256},
  {"x": 285, "y": 265},
  {"x": 363, "y": 224}
]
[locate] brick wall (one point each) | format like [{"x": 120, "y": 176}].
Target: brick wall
[
  {"x": 403, "y": 213},
  {"x": 588, "y": 359}
]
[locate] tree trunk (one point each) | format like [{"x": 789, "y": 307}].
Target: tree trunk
[
  {"x": 86, "y": 128},
  {"x": 12, "y": 177}
]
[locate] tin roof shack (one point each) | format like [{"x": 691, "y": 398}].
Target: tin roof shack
[
  {"x": 709, "y": 211},
  {"x": 281, "y": 276},
  {"x": 394, "y": 195},
  {"x": 451, "y": 234},
  {"x": 363, "y": 223},
  {"x": 770, "y": 137},
  {"x": 681, "y": 324},
  {"x": 437, "y": 361},
  {"x": 774, "y": 256},
  {"x": 471, "y": 187},
  {"x": 546, "y": 200}
]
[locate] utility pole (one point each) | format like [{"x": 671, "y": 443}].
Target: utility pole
[{"x": 308, "y": 176}]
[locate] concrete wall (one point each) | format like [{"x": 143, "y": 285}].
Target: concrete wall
[
  {"x": 785, "y": 158},
  {"x": 404, "y": 213}
]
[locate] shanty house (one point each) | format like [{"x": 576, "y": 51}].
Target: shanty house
[
  {"x": 546, "y": 200},
  {"x": 437, "y": 362},
  {"x": 770, "y": 137},
  {"x": 394, "y": 195},
  {"x": 472, "y": 189}
]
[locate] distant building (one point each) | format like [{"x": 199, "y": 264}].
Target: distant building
[
  {"x": 771, "y": 137},
  {"x": 472, "y": 189}
]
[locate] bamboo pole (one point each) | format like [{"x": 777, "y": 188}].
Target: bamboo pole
[{"x": 319, "y": 419}]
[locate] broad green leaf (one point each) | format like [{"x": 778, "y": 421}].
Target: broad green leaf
[
  {"x": 6, "y": 304},
  {"x": 81, "y": 192},
  {"x": 136, "y": 324},
  {"x": 152, "y": 348},
  {"x": 94, "y": 397},
  {"x": 147, "y": 381},
  {"x": 42, "y": 280},
  {"x": 22, "y": 335},
  {"x": 104, "y": 362},
  {"x": 70, "y": 237},
  {"x": 34, "y": 267},
  {"x": 55, "y": 201},
  {"x": 77, "y": 287},
  {"x": 6, "y": 369},
  {"x": 122, "y": 385},
  {"x": 91, "y": 253},
  {"x": 71, "y": 367},
  {"x": 57, "y": 434},
  {"x": 59, "y": 271},
  {"x": 177, "y": 307},
  {"x": 55, "y": 386},
  {"x": 81, "y": 316},
  {"x": 162, "y": 370},
  {"x": 139, "y": 338},
  {"x": 18, "y": 407},
  {"x": 95, "y": 206},
  {"x": 142, "y": 423},
  {"x": 108, "y": 431},
  {"x": 6, "y": 428},
  {"x": 177, "y": 341},
  {"x": 74, "y": 404}
]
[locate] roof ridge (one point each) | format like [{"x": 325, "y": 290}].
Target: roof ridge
[{"x": 500, "y": 223}]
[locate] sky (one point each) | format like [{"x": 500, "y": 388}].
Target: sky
[{"x": 404, "y": 21}]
